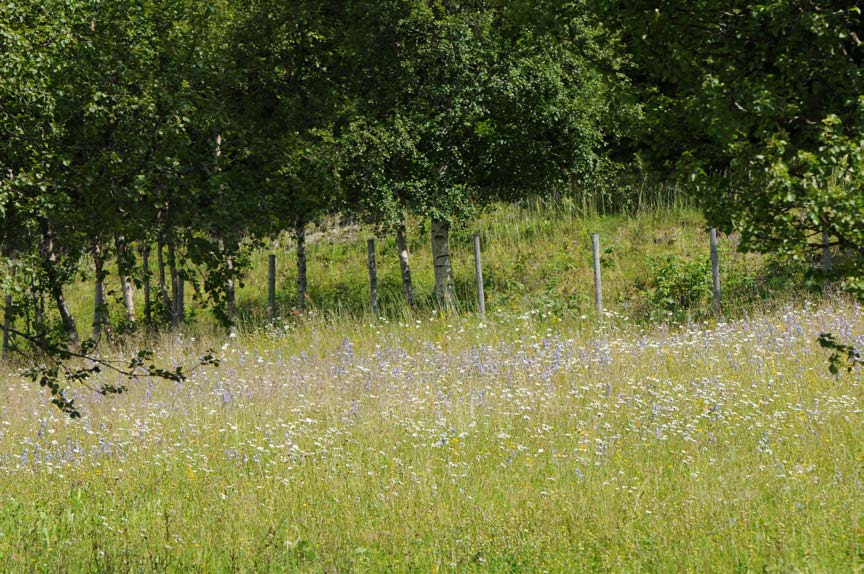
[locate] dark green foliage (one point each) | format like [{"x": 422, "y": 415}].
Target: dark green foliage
[
  {"x": 758, "y": 104},
  {"x": 461, "y": 104},
  {"x": 843, "y": 357},
  {"x": 678, "y": 287},
  {"x": 721, "y": 78}
]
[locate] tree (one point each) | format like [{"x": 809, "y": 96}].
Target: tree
[
  {"x": 80, "y": 117},
  {"x": 760, "y": 105},
  {"x": 460, "y": 104},
  {"x": 34, "y": 39},
  {"x": 284, "y": 105}
]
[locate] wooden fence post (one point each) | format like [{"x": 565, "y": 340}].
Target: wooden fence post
[
  {"x": 271, "y": 286},
  {"x": 373, "y": 276},
  {"x": 598, "y": 282},
  {"x": 7, "y": 324},
  {"x": 478, "y": 269},
  {"x": 715, "y": 271}
]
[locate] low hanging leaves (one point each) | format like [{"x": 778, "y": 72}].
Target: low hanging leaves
[
  {"x": 65, "y": 369},
  {"x": 843, "y": 357}
]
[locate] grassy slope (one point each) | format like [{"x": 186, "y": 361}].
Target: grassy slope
[
  {"x": 536, "y": 440},
  {"x": 537, "y": 258}
]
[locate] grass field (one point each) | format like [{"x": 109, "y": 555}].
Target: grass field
[
  {"x": 452, "y": 445},
  {"x": 660, "y": 439}
]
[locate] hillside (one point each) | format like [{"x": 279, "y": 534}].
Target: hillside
[
  {"x": 536, "y": 259},
  {"x": 540, "y": 438},
  {"x": 447, "y": 444}
]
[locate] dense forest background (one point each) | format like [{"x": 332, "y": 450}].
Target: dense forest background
[{"x": 166, "y": 140}]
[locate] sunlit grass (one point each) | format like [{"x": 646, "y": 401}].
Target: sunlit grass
[
  {"x": 447, "y": 444},
  {"x": 544, "y": 438},
  {"x": 536, "y": 257}
]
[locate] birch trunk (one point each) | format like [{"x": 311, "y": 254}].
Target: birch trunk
[
  {"x": 444, "y": 292},
  {"x": 145, "y": 267},
  {"x": 66, "y": 317},
  {"x": 300, "y": 236},
  {"x": 55, "y": 288},
  {"x": 230, "y": 291},
  {"x": 126, "y": 287},
  {"x": 100, "y": 299},
  {"x": 160, "y": 262},
  {"x": 405, "y": 265},
  {"x": 175, "y": 285}
]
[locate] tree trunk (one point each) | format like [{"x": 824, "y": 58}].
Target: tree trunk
[
  {"x": 7, "y": 324},
  {"x": 39, "y": 313},
  {"x": 124, "y": 263},
  {"x": 66, "y": 317},
  {"x": 145, "y": 267},
  {"x": 160, "y": 262},
  {"x": 55, "y": 288},
  {"x": 402, "y": 245},
  {"x": 100, "y": 299},
  {"x": 300, "y": 236},
  {"x": 826, "y": 251},
  {"x": 37, "y": 299},
  {"x": 444, "y": 292},
  {"x": 230, "y": 291},
  {"x": 176, "y": 317},
  {"x": 181, "y": 299}
]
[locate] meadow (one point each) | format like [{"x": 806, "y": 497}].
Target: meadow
[
  {"x": 454, "y": 445},
  {"x": 694, "y": 420},
  {"x": 541, "y": 439}
]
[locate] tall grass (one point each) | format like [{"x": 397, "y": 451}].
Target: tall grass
[
  {"x": 446, "y": 444},
  {"x": 536, "y": 257},
  {"x": 535, "y": 254},
  {"x": 540, "y": 439}
]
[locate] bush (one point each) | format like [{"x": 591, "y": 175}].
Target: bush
[{"x": 677, "y": 287}]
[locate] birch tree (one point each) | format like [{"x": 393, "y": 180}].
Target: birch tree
[{"x": 461, "y": 104}]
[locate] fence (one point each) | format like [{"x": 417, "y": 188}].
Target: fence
[
  {"x": 374, "y": 302},
  {"x": 372, "y": 268}
]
